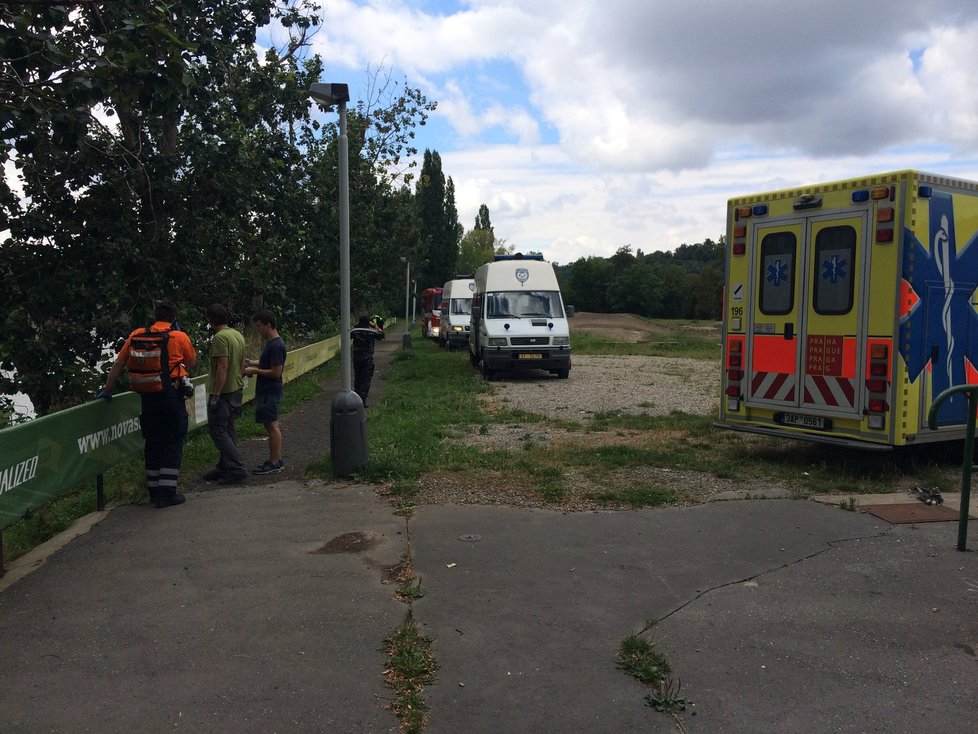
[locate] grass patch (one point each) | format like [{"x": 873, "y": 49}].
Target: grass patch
[
  {"x": 125, "y": 482},
  {"x": 428, "y": 393},
  {"x": 676, "y": 341},
  {"x": 434, "y": 399},
  {"x": 638, "y": 657},
  {"x": 410, "y": 667}
]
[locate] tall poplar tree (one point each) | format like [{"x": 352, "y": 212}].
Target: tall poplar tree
[{"x": 441, "y": 231}]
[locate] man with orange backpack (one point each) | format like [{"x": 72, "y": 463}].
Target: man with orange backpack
[{"x": 158, "y": 359}]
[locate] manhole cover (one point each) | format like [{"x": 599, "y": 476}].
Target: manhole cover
[{"x": 470, "y": 538}]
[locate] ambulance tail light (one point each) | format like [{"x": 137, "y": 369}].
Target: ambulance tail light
[
  {"x": 734, "y": 374},
  {"x": 738, "y": 244},
  {"x": 877, "y": 386}
]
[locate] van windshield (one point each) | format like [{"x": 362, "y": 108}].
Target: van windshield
[
  {"x": 462, "y": 306},
  {"x": 523, "y": 304}
]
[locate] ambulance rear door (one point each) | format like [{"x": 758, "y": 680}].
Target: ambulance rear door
[{"x": 806, "y": 322}]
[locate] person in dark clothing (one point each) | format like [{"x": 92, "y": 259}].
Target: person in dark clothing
[
  {"x": 363, "y": 336},
  {"x": 267, "y": 370}
]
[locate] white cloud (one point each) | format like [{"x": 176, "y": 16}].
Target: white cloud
[{"x": 659, "y": 111}]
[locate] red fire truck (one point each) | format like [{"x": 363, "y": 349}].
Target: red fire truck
[{"x": 431, "y": 313}]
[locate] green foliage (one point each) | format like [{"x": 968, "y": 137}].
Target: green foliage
[
  {"x": 157, "y": 154},
  {"x": 482, "y": 222},
  {"x": 440, "y": 228},
  {"x": 687, "y": 283},
  {"x": 666, "y": 698},
  {"x": 638, "y": 657},
  {"x": 410, "y": 667},
  {"x": 428, "y": 393},
  {"x": 477, "y": 248},
  {"x": 678, "y": 342}
]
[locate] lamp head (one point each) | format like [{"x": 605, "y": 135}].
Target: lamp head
[{"x": 330, "y": 94}]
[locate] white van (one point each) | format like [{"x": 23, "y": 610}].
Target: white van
[
  {"x": 518, "y": 317},
  {"x": 456, "y": 311}
]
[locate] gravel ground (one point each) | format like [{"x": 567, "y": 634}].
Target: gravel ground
[
  {"x": 628, "y": 384},
  {"x": 633, "y": 385}
]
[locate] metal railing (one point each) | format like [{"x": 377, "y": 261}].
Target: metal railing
[{"x": 967, "y": 465}]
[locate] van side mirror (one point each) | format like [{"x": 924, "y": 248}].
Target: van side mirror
[{"x": 570, "y": 312}]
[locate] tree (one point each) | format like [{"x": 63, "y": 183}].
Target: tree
[
  {"x": 482, "y": 219},
  {"x": 158, "y": 151},
  {"x": 477, "y": 248},
  {"x": 441, "y": 231}
]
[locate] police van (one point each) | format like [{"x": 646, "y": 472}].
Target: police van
[
  {"x": 456, "y": 311},
  {"x": 518, "y": 317},
  {"x": 849, "y": 307}
]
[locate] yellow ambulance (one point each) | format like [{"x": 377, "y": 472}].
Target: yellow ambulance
[{"x": 848, "y": 307}]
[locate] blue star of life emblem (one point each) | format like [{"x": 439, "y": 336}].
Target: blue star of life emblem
[
  {"x": 939, "y": 327},
  {"x": 834, "y": 269},
  {"x": 777, "y": 272}
]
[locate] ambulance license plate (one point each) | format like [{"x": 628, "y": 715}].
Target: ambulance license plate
[
  {"x": 803, "y": 421},
  {"x": 529, "y": 356}
]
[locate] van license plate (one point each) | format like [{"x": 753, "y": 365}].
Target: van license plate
[
  {"x": 803, "y": 421},
  {"x": 529, "y": 356}
]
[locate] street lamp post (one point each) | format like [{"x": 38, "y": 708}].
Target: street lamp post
[
  {"x": 348, "y": 426},
  {"x": 406, "y": 338}
]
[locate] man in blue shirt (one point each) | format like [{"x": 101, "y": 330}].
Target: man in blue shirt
[{"x": 268, "y": 388}]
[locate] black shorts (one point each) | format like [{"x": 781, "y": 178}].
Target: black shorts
[{"x": 266, "y": 407}]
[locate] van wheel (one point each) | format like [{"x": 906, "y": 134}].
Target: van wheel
[{"x": 484, "y": 370}]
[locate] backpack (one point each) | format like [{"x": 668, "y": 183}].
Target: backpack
[{"x": 148, "y": 362}]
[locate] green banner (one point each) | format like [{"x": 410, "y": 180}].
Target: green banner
[{"x": 50, "y": 456}]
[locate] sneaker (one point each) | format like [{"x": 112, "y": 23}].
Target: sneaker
[
  {"x": 213, "y": 475},
  {"x": 270, "y": 467}
]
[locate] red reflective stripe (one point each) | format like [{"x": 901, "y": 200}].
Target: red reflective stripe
[
  {"x": 824, "y": 390},
  {"x": 774, "y": 354}
]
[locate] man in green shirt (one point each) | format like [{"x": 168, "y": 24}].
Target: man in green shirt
[{"x": 225, "y": 385}]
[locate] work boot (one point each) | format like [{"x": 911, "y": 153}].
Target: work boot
[
  {"x": 168, "y": 499},
  {"x": 154, "y": 494}
]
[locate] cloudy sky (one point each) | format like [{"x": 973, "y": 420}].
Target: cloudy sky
[{"x": 586, "y": 125}]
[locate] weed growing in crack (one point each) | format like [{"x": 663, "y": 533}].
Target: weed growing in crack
[
  {"x": 410, "y": 667},
  {"x": 408, "y": 590},
  {"x": 849, "y": 505},
  {"x": 666, "y": 698},
  {"x": 638, "y": 657}
]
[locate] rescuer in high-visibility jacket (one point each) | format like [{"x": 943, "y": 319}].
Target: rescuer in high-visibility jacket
[{"x": 163, "y": 420}]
